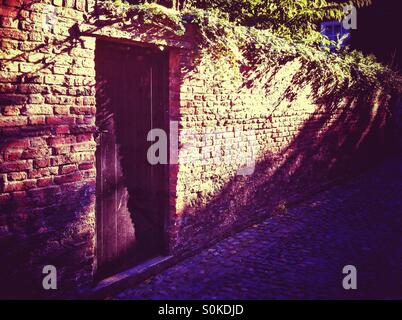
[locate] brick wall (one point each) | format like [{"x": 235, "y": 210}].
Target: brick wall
[
  {"x": 47, "y": 158},
  {"x": 301, "y": 136}
]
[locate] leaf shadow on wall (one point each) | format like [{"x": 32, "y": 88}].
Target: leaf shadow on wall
[{"x": 344, "y": 136}]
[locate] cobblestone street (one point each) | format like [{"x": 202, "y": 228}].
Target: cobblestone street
[{"x": 301, "y": 253}]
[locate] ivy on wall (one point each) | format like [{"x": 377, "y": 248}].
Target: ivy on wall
[{"x": 225, "y": 44}]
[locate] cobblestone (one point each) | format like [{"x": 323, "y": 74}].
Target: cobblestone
[{"x": 300, "y": 254}]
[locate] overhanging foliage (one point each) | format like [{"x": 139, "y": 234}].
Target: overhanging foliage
[{"x": 227, "y": 43}]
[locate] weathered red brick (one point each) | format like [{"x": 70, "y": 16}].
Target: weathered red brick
[
  {"x": 17, "y": 176},
  {"x": 83, "y": 110},
  {"x": 9, "y": 77},
  {"x": 44, "y": 182},
  {"x": 8, "y": 22},
  {"x": 62, "y": 129},
  {"x": 38, "y": 142},
  {"x": 28, "y": 88},
  {"x": 9, "y": 44},
  {"x": 12, "y": 99},
  {"x": 18, "y": 143},
  {"x": 29, "y": 68},
  {"x": 19, "y": 185},
  {"x": 86, "y": 166},
  {"x": 13, "y": 121},
  {"x": 59, "y": 150},
  {"x": 60, "y": 70},
  {"x": 87, "y": 174},
  {"x": 8, "y": 88},
  {"x": 85, "y": 137},
  {"x": 61, "y": 110},
  {"x": 11, "y": 110},
  {"x": 37, "y": 120},
  {"x": 88, "y": 146},
  {"x": 13, "y": 154},
  {"x": 34, "y": 153},
  {"x": 13, "y": 34},
  {"x": 36, "y": 36},
  {"x": 34, "y": 78},
  {"x": 54, "y": 79},
  {"x": 88, "y": 120},
  {"x": 38, "y": 109},
  {"x": 57, "y": 99},
  {"x": 86, "y": 101},
  {"x": 38, "y": 173},
  {"x": 19, "y": 165},
  {"x": 41, "y": 163},
  {"x": 61, "y": 141},
  {"x": 60, "y": 160},
  {"x": 82, "y": 157},
  {"x": 60, "y": 120},
  {"x": 68, "y": 168},
  {"x": 72, "y": 177}
]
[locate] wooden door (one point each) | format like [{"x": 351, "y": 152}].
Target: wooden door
[{"x": 131, "y": 193}]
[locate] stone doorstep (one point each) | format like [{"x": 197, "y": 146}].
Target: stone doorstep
[{"x": 130, "y": 277}]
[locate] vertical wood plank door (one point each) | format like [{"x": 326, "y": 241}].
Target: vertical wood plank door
[{"x": 132, "y": 194}]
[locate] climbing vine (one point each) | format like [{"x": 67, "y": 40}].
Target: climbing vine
[{"x": 223, "y": 44}]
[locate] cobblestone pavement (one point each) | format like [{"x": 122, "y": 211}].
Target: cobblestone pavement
[{"x": 301, "y": 253}]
